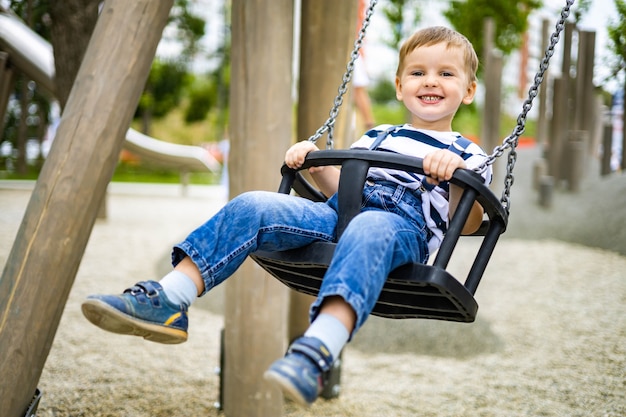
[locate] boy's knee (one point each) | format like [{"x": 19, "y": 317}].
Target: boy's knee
[{"x": 371, "y": 221}]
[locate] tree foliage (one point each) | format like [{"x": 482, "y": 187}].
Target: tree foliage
[
  {"x": 169, "y": 77},
  {"x": 188, "y": 28},
  {"x": 164, "y": 87},
  {"x": 510, "y": 18},
  {"x": 396, "y": 12},
  {"x": 617, "y": 38}
]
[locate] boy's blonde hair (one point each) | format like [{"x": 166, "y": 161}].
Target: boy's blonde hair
[{"x": 438, "y": 34}]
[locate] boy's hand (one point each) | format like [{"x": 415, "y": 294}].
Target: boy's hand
[
  {"x": 440, "y": 165},
  {"x": 294, "y": 157}
]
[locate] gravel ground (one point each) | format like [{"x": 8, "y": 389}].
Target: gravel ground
[{"x": 550, "y": 338}]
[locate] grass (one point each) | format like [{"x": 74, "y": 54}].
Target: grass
[
  {"x": 172, "y": 128},
  {"x": 128, "y": 172}
]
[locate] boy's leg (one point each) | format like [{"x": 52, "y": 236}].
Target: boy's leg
[
  {"x": 255, "y": 220},
  {"x": 373, "y": 244},
  {"x": 304, "y": 370}
]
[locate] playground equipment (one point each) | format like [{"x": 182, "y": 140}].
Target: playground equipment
[
  {"x": 82, "y": 186},
  {"x": 33, "y": 55},
  {"x": 416, "y": 290}
]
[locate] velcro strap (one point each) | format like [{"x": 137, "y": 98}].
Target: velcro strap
[{"x": 314, "y": 350}]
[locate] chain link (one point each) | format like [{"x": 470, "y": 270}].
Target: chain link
[
  {"x": 329, "y": 125},
  {"x": 511, "y": 141}
]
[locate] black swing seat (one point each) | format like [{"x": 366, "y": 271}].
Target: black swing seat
[{"x": 413, "y": 290}]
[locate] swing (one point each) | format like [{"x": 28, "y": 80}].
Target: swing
[{"x": 412, "y": 290}]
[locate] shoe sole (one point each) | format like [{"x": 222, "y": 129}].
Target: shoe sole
[
  {"x": 288, "y": 389},
  {"x": 108, "y": 318}
]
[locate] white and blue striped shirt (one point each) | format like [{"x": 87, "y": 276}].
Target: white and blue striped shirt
[{"x": 407, "y": 140}]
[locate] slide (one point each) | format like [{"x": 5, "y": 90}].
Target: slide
[{"x": 33, "y": 55}]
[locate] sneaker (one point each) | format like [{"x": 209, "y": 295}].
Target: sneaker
[
  {"x": 142, "y": 310},
  {"x": 304, "y": 370}
]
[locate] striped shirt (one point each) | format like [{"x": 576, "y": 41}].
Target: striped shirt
[{"x": 407, "y": 140}]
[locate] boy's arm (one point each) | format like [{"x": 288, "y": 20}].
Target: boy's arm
[
  {"x": 326, "y": 177},
  {"x": 439, "y": 166}
]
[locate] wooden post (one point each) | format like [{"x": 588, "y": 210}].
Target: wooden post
[
  {"x": 61, "y": 212},
  {"x": 564, "y": 101},
  {"x": 607, "y": 144},
  {"x": 623, "y": 156},
  {"x": 542, "y": 120},
  {"x": 327, "y": 28},
  {"x": 546, "y": 191},
  {"x": 261, "y": 130},
  {"x": 576, "y": 145},
  {"x": 585, "y": 102},
  {"x": 554, "y": 141},
  {"x": 6, "y": 83},
  {"x": 324, "y": 46},
  {"x": 490, "y": 131},
  {"x": 561, "y": 109}
]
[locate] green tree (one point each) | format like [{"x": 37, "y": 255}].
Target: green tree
[
  {"x": 510, "y": 18},
  {"x": 163, "y": 90},
  {"x": 189, "y": 28},
  {"x": 617, "y": 39},
  {"x": 397, "y": 12},
  {"x": 202, "y": 94},
  {"x": 169, "y": 77}
]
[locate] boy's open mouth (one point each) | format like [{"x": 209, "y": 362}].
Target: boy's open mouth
[{"x": 431, "y": 98}]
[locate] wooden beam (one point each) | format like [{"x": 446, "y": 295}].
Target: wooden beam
[
  {"x": 50, "y": 243},
  {"x": 328, "y": 31},
  {"x": 261, "y": 129},
  {"x": 6, "y": 83}
]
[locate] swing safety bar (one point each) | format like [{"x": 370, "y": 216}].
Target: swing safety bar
[{"x": 413, "y": 290}]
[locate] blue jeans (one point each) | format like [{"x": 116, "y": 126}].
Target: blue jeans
[{"x": 389, "y": 231}]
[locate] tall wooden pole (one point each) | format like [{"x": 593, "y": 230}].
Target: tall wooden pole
[
  {"x": 542, "y": 119},
  {"x": 50, "y": 243},
  {"x": 326, "y": 30},
  {"x": 585, "y": 102},
  {"x": 490, "y": 130},
  {"x": 261, "y": 129},
  {"x": 562, "y": 106}
]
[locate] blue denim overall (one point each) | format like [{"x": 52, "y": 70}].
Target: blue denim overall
[{"x": 389, "y": 231}]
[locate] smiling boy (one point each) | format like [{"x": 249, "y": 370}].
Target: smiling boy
[{"x": 402, "y": 219}]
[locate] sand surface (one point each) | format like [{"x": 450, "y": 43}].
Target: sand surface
[{"x": 550, "y": 338}]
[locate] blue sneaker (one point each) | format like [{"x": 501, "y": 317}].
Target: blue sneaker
[
  {"x": 304, "y": 370},
  {"x": 142, "y": 310}
]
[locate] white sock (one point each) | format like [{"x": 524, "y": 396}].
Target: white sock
[
  {"x": 179, "y": 288},
  {"x": 330, "y": 331}
]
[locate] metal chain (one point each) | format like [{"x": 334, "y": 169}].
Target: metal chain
[
  {"x": 512, "y": 140},
  {"x": 329, "y": 125}
]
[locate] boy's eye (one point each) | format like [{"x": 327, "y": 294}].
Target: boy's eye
[
  {"x": 446, "y": 74},
  {"x": 417, "y": 73}
]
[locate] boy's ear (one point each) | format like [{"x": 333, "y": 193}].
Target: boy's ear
[
  {"x": 470, "y": 93},
  {"x": 398, "y": 89}
]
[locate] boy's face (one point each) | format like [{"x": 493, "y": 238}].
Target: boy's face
[{"x": 433, "y": 84}]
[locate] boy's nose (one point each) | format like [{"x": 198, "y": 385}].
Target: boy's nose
[{"x": 430, "y": 81}]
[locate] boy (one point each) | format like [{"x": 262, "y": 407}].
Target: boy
[{"x": 435, "y": 75}]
